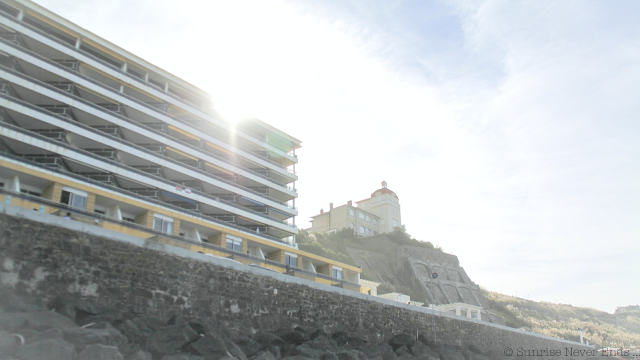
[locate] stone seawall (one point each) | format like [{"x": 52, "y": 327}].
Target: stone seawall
[{"x": 44, "y": 261}]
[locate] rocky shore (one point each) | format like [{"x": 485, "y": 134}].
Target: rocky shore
[{"x": 71, "y": 329}]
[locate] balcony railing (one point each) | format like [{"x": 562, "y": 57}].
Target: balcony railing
[
  {"x": 104, "y": 154},
  {"x": 118, "y": 109}
]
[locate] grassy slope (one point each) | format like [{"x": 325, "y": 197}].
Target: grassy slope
[{"x": 562, "y": 321}]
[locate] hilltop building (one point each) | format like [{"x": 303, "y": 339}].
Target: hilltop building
[
  {"x": 622, "y": 309},
  {"x": 90, "y": 129},
  {"x": 375, "y": 215}
]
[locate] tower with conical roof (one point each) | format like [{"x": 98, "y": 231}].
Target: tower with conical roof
[{"x": 386, "y": 205}]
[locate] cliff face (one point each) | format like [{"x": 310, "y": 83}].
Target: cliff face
[{"x": 413, "y": 267}]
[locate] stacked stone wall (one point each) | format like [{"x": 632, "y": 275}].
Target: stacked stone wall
[{"x": 43, "y": 261}]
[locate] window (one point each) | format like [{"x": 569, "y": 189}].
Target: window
[
  {"x": 378, "y": 197},
  {"x": 291, "y": 259},
  {"x": 351, "y": 212},
  {"x": 368, "y": 218},
  {"x": 361, "y": 215},
  {"x": 351, "y": 225},
  {"x": 382, "y": 211},
  {"x": 382, "y": 222},
  {"x": 74, "y": 200},
  {"x": 234, "y": 244},
  {"x": 337, "y": 272},
  {"x": 163, "y": 225},
  {"x": 375, "y": 221},
  {"x": 361, "y": 229},
  {"x": 395, "y": 223}
]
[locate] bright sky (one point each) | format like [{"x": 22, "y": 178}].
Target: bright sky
[{"x": 509, "y": 130}]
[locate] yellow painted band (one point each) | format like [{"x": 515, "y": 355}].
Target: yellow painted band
[
  {"x": 47, "y": 21},
  {"x": 183, "y": 132},
  {"x": 220, "y": 148},
  {"x": 182, "y": 153},
  {"x": 219, "y": 168}
]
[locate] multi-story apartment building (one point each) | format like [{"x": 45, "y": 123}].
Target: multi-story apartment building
[
  {"x": 378, "y": 214},
  {"x": 89, "y": 128}
]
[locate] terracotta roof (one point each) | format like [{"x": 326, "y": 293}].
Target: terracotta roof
[{"x": 383, "y": 190}]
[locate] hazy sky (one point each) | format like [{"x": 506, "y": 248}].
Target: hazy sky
[{"x": 509, "y": 130}]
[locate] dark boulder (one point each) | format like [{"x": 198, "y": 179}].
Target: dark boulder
[
  {"x": 475, "y": 349},
  {"x": 297, "y": 357},
  {"x": 40, "y": 321},
  {"x": 407, "y": 356},
  {"x": 75, "y": 309},
  {"x": 276, "y": 351},
  {"x": 182, "y": 356},
  {"x": 234, "y": 350},
  {"x": 351, "y": 355},
  {"x": 99, "y": 352},
  {"x": 139, "y": 329},
  {"x": 264, "y": 355},
  {"x": 399, "y": 340},
  {"x": 171, "y": 339},
  {"x": 139, "y": 355},
  {"x": 294, "y": 337},
  {"x": 447, "y": 354},
  {"x": 329, "y": 356},
  {"x": 479, "y": 357},
  {"x": 8, "y": 343},
  {"x": 318, "y": 333},
  {"x": 248, "y": 346},
  {"x": 265, "y": 339},
  {"x": 420, "y": 350},
  {"x": 50, "y": 349},
  {"x": 423, "y": 339},
  {"x": 468, "y": 355},
  {"x": 315, "y": 348},
  {"x": 32, "y": 336},
  {"x": 404, "y": 349},
  {"x": 210, "y": 346},
  {"x": 104, "y": 334}
]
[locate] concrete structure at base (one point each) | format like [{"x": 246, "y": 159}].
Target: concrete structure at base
[
  {"x": 401, "y": 298},
  {"x": 89, "y": 128},
  {"x": 369, "y": 287},
  {"x": 460, "y": 309},
  {"x": 378, "y": 214}
]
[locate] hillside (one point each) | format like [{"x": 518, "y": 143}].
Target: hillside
[
  {"x": 402, "y": 264},
  {"x": 563, "y": 320}
]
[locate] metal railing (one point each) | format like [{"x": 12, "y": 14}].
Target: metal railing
[
  {"x": 141, "y": 197},
  {"x": 141, "y": 172},
  {"x": 141, "y": 103},
  {"x": 68, "y": 114}
]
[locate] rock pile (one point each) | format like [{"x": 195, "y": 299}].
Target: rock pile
[{"x": 75, "y": 330}]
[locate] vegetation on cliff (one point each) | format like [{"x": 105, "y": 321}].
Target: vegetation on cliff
[
  {"x": 334, "y": 245},
  {"x": 562, "y": 320}
]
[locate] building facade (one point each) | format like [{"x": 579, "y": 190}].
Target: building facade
[
  {"x": 378, "y": 214},
  {"x": 90, "y": 129}
]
